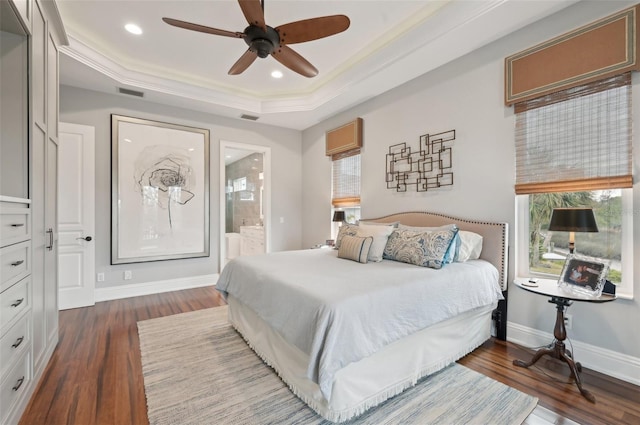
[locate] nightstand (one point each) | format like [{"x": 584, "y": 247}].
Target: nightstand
[{"x": 562, "y": 298}]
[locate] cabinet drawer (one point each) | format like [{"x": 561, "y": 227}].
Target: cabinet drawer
[
  {"x": 14, "y": 342},
  {"x": 14, "y": 301},
  {"x": 13, "y": 385},
  {"x": 14, "y": 225},
  {"x": 15, "y": 264},
  {"x": 252, "y": 232}
]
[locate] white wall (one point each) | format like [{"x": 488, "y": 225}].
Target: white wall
[
  {"x": 92, "y": 108},
  {"x": 467, "y": 95}
]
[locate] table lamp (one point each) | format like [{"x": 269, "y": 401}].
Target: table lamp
[
  {"x": 573, "y": 220},
  {"x": 338, "y": 216}
]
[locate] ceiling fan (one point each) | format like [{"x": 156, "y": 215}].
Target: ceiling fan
[{"x": 264, "y": 40}]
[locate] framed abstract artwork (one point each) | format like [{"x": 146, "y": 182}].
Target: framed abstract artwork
[{"x": 159, "y": 191}]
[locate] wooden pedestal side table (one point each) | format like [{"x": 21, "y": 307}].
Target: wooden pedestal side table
[{"x": 562, "y": 298}]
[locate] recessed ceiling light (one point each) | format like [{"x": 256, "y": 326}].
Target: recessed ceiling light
[
  {"x": 276, "y": 74},
  {"x": 133, "y": 29}
]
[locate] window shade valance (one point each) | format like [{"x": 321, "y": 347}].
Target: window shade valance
[
  {"x": 576, "y": 140},
  {"x": 596, "y": 51},
  {"x": 345, "y": 138}
]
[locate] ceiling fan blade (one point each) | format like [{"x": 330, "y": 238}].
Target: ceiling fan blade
[
  {"x": 292, "y": 60},
  {"x": 312, "y": 29},
  {"x": 252, "y": 10},
  {"x": 243, "y": 63},
  {"x": 202, "y": 28}
]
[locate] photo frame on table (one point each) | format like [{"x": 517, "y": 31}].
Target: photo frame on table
[
  {"x": 584, "y": 275},
  {"x": 159, "y": 191}
]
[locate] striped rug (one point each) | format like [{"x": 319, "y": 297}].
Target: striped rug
[{"x": 198, "y": 370}]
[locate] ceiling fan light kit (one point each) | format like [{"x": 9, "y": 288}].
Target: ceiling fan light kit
[{"x": 264, "y": 40}]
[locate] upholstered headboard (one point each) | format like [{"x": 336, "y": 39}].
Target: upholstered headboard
[{"x": 495, "y": 236}]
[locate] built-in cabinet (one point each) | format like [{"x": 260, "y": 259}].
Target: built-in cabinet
[
  {"x": 31, "y": 33},
  {"x": 251, "y": 240}
]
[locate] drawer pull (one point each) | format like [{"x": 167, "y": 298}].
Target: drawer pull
[
  {"x": 17, "y": 225},
  {"x": 18, "y": 384},
  {"x": 17, "y": 263},
  {"x": 18, "y": 342},
  {"x": 17, "y": 303}
]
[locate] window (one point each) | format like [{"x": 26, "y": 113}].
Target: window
[
  {"x": 346, "y": 179},
  {"x": 345, "y": 186},
  {"x": 573, "y": 149},
  {"x": 547, "y": 250}
]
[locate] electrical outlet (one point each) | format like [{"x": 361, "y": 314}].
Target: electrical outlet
[
  {"x": 100, "y": 277},
  {"x": 127, "y": 274},
  {"x": 568, "y": 321}
]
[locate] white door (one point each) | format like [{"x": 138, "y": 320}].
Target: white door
[{"x": 76, "y": 216}]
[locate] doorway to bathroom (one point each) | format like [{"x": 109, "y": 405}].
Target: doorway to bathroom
[{"x": 245, "y": 200}]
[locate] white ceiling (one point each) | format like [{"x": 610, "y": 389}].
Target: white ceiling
[{"x": 388, "y": 43}]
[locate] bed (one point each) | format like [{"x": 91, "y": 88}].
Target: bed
[{"x": 346, "y": 336}]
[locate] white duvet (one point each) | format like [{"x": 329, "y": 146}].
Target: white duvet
[{"x": 340, "y": 311}]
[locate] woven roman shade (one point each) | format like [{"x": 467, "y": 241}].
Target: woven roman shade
[
  {"x": 604, "y": 48},
  {"x": 346, "y": 179},
  {"x": 576, "y": 140}
]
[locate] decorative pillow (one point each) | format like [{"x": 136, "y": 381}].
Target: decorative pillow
[
  {"x": 380, "y": 235},
  {"x": 426, "y": 249},
  {"x": 355, "y": 248},
  {"x": 470, "y": 246},
  {"x": 345, "y": 229},
  {"x": 452, "y": 252}
]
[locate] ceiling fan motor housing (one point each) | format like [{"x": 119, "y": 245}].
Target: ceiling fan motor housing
[{"x": 261, "y": 41}]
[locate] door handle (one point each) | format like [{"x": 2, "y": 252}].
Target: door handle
[
  {"x": 88, "y": 238},
  {"x": 17, "y": 263},
  {"x": 17, "y": 302},
  {"x": 50, "y": 232},
  {"x": 17, "y": 225}
]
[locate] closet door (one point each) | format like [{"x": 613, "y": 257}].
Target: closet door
[
  {"x": 37, "y": 180},
  {"x": 51, "y": 200},
  {"x": 44, "y": 180}
]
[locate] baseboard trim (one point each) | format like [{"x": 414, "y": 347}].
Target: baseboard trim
[
  {"x": 157, "y": 287},
  {"x": 612, "y": 363}
]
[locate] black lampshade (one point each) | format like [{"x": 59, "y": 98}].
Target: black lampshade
[
  {"x": 573, "y": 220},
  {"x": 338, "y": 216}
]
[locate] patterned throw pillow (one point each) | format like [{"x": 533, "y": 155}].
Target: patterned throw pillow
[
  {"x": 345, "y": 229},
  {"x": 355, "y": 248},
  {"x": 426, "y": 249}
]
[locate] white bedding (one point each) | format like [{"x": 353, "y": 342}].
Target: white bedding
[{"x": 338, "y": 311}]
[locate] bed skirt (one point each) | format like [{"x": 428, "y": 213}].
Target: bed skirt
[{"x": 372, "y": 380}]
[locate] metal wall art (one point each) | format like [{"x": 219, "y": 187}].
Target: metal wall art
[{"x": 425, "y": 168}]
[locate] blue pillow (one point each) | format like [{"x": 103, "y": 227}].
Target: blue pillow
[{"x": 426, "y": 249}]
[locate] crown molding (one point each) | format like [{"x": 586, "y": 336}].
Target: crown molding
[{"x": 448, "y": 32}]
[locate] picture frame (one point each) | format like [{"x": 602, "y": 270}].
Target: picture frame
[
  {"x": 584, "y": 275},
  {"x": 159, "y": 191}
]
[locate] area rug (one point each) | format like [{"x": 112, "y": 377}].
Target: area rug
[{"x": 198, "y": 370}]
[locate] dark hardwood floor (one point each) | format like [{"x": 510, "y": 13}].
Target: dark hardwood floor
[{"x": 94, "y": 376}]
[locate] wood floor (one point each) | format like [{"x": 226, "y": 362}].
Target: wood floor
[{"x": 94, "y": 376}]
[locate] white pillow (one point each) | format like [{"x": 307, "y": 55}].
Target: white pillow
[
  {"x": 470, "y": 246},
  {"x": 380, "y": 234}
]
